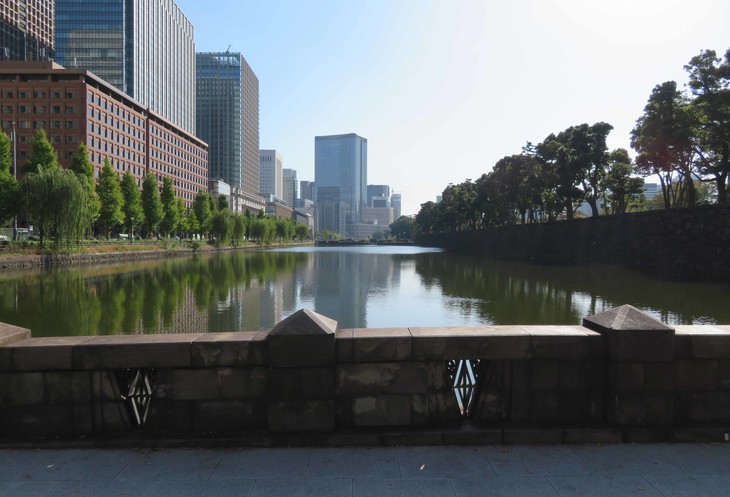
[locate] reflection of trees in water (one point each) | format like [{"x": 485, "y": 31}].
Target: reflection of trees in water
[
  {"x": 89, "y": 301},
  {"x": 520, "y": 293}
]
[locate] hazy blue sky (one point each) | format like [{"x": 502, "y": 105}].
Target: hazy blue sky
[{"x": 442, "y": 89}]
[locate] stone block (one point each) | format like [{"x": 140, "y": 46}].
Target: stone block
[
  {"x": 45, "y": 354},
  {"x": 523, "y": 436},
  {"x": 104, "y": 386},
  {"x": 559, "y": 342},
  {"x": 114, "y": 418},
  {"x": 134, "y": 351},
  {"x": 702, "y": 342},
  {"x": 382, "y": 345},
  {"x": 40, "y": 422},
  {"x": 382, "y": 410},
  {"x": 573, "y": 375},
  {"x": 67, "y": 387},
  {"x": 343, "y": 345},
  {"x": 18, "y": 389},
  {"x": 626, "y": 409},
  {"x": 419, "y": 410},
  {"x": 343, "y": 412},
  {"x": 599, "y": 435},
  {"x": 301, "y": 416},
  {"x": 645, "y": 435},
  {"x": 163, "y": 381},
  {"x": 353, "y": 439},
  {"x": 520, "y": 406},
  {"x": 472, "y": 435},
  {"x": 596, "y": 406},
  {"x": 632, "y": 335},
  {"x": 698, "y": 374},
  {"x": 443, "y": 408},
  {"x": 486, "y": 342},
  {"x": 521, "y": 373},
  {"x": 405, "y": 378},
  {"x": 438, "y": 376},
  {"x": 697, "y": 434},
  {"x": 294, "y": 384},
  {"x": 83, "y": 424},
  {"x": 170, "y": 416},
  {"x": 10, "y": 334},
  {"x": 194, "y": 384},
  {"x": 659, "y": 376},
  {"x": 723, "y": 374},
  {"x": 223, "y": 349},
  {"x": 358, "y": 379},
  {"x": 626, "y": 377},
  {"x": 545, "y": 406},
  {"x": 6, "y": 359},
  {"x": 243, "y": 383},
  {"x": 545, "y": 374},
  {"x": 230, "y": 416},
  {"x": 304, "y": 339},
  {"x": 709, "y": 407},
  {"x": 413, "y": 438}
]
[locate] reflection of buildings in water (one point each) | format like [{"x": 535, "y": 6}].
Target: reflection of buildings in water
[
  {"x": 340, "y": 283},
  {"x": 187, "y": 318}
]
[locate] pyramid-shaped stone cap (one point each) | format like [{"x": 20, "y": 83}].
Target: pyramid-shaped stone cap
[
  {"x": 305, "y": 322},
  {"x": 624, "y": 318},
  {"x": 632, "y": 335},
  {"x": 304, "y": 339}
]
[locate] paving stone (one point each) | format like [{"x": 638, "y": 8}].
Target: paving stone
[
  {"x": 446, "y": 462},
  {"x": 377, "y": 462},
  {"x": 513, "y": 435},
  {"x": 414, "y": 437},
  {"x": 531, "y": 486},
  {"x": 170, "y": 464},
  {"x": 690, "y": 485},
  {"x": 320, "y": 487},
  {"x": 204, "y": 488},
  {"x": 532, "y": 460},
  {"x": 262, "y": 463},
  {"x": 602, "y": 486},
  {"x": 624, "y": 459},
  {"x": 592, "y": 436},
  {"x": 402, "y": 487}
]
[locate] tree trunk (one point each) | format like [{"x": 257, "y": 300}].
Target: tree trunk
[
  {"x": 569, "y": 210},
  {"x": 594, "y": 206}
]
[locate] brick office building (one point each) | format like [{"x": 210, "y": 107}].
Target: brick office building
[{"x": 74, "y": 106}]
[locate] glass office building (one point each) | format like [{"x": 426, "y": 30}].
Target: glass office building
[
  {"x": 227, "y": 118},
  {"x": 145, "y": 48},
  {"x": 26, "y": 30},
  {"x": 342, "y": 161}
]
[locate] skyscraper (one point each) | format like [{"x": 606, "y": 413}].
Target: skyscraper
[
  {"x": 26, "y": 30},
  {"x": 145, "y": 48},
  {"x": 291, "y": 187},
  {"x": 227, "y": 118},
  {"x": 270, "y": 173},
  {"x": 341, "y": 161}
]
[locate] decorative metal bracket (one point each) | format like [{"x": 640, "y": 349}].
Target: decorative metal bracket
[
  {"x": 135, "y": 388},
  {"x": 464, "y": 374}
]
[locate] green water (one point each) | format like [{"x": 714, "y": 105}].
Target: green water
[{"x": 373, "y": 287}]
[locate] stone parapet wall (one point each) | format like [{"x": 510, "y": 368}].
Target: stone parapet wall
[
  {"x": 682, "y": 243},
  {"x": 621, "y": 376}
]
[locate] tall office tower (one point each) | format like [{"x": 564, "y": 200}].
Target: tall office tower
[
  {"x": 341, "y": 161},
  {"x": 377, "y": 191},
  {"x": 227, "y": 118},
  {"x": 395, "y": 203},
  {"x": 306, "y": 190},
  {"x": 26, "y": 30},
  {"x": 271, "y": 177},
  {"x": 291, "y": 187},
  {"x": 145, "y": 48}
]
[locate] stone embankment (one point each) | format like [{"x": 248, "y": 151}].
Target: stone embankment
[
  {"x": 674, "y": 243},
  {"x": 622, "y": 376}
]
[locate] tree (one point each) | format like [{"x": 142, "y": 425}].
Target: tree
[
  {"x": 664, "y": 139},
  {"x": 239, "y": 230},
  {"x": 132, "y": 208},
  {"x": 260, "y": 230},
  {"x": 109, "y": 190},
  {"x": 302, "y": 232},
  {"x": 171, "y": 214},
  {"x": 620, "y": 187},
  {"x": 403, "y": 228},
  {"x": 58, "y": 205},
  {"x": 84, "y": 170},
  {"x": 8, "y": 184},
  {"x": 203, "y": 213},
  {"x": 42, "y": 154},
  {"x": 709, "y": 82},
  {"x": 284, "y": 229},
  {"x": 222, "y": 227},
  {"x": 151, "y": 204},
  {"x": 222, "y": 202},
  {"x": 182, "y": 226}
]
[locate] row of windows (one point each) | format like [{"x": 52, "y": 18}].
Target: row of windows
[
  {"x": 55, "y": 94},
  {"x": 37, "y": 109}
]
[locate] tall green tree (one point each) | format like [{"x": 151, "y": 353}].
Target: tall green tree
[
  {"x": 8, "y": 185},
  {"x": 203, "y": 212},
  {"x": 42, "y": 154},
  {"x": 403, "y": 228},
  {"x": 84, "y": 169},
  {"x": 109, "y": 190},
  {"x": 620, "y": 184},
  {"x": 182, "y": 226},
  {"x": 302, "y": 232},
  {"x": 222, "y": 227},
  {"x": 239, "y": 230},
  {"x": 133, "y": 212},
  {"x": 222, "y": 202},
  {"x": 709, "y": 82},
  {"x": 664, "y": 139},
  {"x": 57, "y": 204},
  {"x": 171, "y": 213},
  {"x": 151, "y": 205}
]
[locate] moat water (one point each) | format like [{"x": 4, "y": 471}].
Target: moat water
[{"x": 373, "y": 287}]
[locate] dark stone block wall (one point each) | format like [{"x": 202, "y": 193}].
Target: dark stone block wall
[
  {"x": 622, "y": 376},
  {"x": 679, "y": 243}
]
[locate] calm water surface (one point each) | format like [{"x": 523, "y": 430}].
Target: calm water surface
[{"x": 374, "y": 287}]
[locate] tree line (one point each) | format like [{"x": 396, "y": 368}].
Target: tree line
[
  {"x": 682, "y": 137},
  {"x": 67, "y": 205}
]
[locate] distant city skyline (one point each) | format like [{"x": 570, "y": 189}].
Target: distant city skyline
[{"x": 445, "y": 90}]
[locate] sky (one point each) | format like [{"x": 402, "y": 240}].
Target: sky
[{"x": 443, "y": 89}]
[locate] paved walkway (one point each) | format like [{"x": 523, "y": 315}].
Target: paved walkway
[{"x": 523, "y": 471}]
